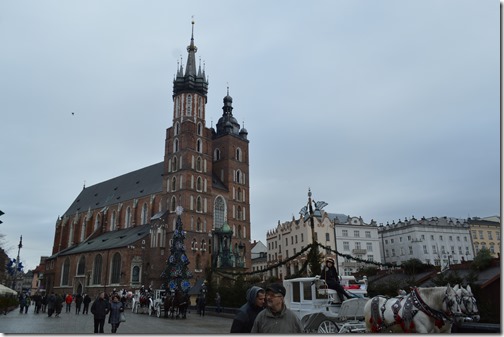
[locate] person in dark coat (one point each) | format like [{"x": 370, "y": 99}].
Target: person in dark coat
[
  {"x": 331, "y": 277},
  {"x": 86, "y": 302},
  {"x": 116, "y": 307},
  {"x": 38, "y": 302},
  {"x": 78, "y": 303},
  {"x": 100, "y": 308},
  {"x": 44, "y": 302},
  {"x": 51, "y": 304},
  {"x": 24, "y": 302},
  {"x": 245, "y": 316},
  {"x": 58, "y": 305}
]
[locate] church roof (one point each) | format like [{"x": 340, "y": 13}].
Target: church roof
[
  {"x": 110, "y": 240},
  {"x": 139, "y": 183}
]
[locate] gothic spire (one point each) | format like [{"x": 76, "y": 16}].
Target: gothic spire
[
  {"x": 191, "y": 58},
  {"x": 192, "y": 80}
]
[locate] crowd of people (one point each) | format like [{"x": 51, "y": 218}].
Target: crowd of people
[
  {"x": 105, "y": 304},
  {"x": 263, "y": 312}
]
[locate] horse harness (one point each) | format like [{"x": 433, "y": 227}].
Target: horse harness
[{"x": 413, "y": 303}]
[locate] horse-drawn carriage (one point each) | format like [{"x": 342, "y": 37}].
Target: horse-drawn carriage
[
  {"x": 170, "y": 304},
  {"x": 320, "y": 309},
  {"x": 142, "y": 302}
]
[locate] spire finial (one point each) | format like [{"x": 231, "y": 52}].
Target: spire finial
[
  {"x": 227, "y": 83},
  {"x": 192, "y": 22}
]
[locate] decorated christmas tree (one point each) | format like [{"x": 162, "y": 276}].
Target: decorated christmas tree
[{"x": 176, "y": 273}]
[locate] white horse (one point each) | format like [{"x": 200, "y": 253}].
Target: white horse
[
  {"x": 467, "y": 304},
  {"x": 424, "y": 310}
]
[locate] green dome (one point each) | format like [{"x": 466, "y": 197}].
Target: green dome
[{"x": 225, "y": 228}]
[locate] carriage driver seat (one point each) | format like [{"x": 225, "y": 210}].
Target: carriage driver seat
[{"x": 330, "y": 293}]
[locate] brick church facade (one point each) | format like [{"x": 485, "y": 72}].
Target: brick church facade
[{"x": 118, "y": 233}]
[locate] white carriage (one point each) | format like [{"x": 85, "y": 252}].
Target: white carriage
[
  {"x": 320, "y": 309},
  {"x": 142, "y": 303},
  {"x": 159, "y": 298}
]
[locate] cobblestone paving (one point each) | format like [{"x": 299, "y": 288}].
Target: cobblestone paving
[{"x": 70, "y": 323}]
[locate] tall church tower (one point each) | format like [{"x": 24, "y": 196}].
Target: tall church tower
[{"x": 206, "y": 172}]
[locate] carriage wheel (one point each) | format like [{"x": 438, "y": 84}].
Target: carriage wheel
[{"x": 327, "y": 327}]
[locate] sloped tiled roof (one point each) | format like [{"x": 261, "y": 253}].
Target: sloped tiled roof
[
  {"x": 139, "y": 183},
  {"x": 342, "y": 218},
  {"x": 109, "y": 240}
]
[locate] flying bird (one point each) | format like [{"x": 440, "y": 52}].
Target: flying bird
[{"x": 73, "y": 113}]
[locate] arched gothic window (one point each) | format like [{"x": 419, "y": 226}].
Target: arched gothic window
[
  {"x": 128, "y": 217},
  {"x": 198, "y": 164},
  {"x": 81, "y": 267},
  {"x": 177, "y": 106},
  {"x": 174, "y": 184},
  {"x": 115, "y": 277},
  {"x": 199, "y": 184},
  {"x": 239, "y": 213},
  {"x": 83, "y": 230},
  {"x": 199, "y": 146},
  {"x": 175, "y": 145},
  {"x": 113, "y": 221},
  {"x": 217, "y": 155},
  {"x": 97, "y": 269},
  {"x": 238, "y": 154},
  {"x": 97, "y": 221},
  {"x": 200, "y": 129},
  {"x": 173, "y": 203},
  {"x": 65, "y": 272},
  {"x": 189, "y": 105},
  {"x": 145, "y": 214},
  {"x": 219, "y": 212},
  {"x": 200, "y": 107},
  {"x": 199, "y": 207},
  {"x": 135, "y": 275}
]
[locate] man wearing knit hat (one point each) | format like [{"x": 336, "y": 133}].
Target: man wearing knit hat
[{"x": 276, "y": 318}]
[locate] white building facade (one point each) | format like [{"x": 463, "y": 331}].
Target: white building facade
[
  {"x": 437, "y": 241},
  {"x": 259, "y": 254}
]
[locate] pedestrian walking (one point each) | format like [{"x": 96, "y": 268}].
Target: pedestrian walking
[
  {"x": 38, "y": 302},
  {"x": 24, "y": 303},
  {"x": 116, "y": 308},
  {"x": 78, "y": 303},
  {"x": 44, "y": 303},
  {"x": 51, "y": 304},
  {"x": 246, "y": 315},
  {"x": 86, "y": 301},
  {"x": 276, "y": 318},
  {"x": 68, "y": 301},
  {"x": 58, "y": 306},
  {"x": 218, "y": 308},
  {"x": 100, "y": 308}
]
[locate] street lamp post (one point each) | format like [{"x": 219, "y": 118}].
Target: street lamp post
[{"x": 18, "y": 263}]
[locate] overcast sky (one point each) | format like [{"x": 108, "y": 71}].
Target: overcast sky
[{"x": 385, "y": 109}]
